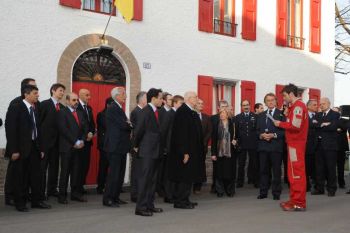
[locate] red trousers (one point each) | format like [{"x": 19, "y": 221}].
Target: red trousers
[{"x": 296, "y": 173}]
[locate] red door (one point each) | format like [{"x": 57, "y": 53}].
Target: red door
[{"x": 99, "y": 93}]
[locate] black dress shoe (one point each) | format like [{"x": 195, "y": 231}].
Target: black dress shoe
[
  {"x": 231, "y": 194},
  {"x": 41, "y": 205},
  {"x": 168, "y": 200},
  {"x": 9, "y": 202},
  {"x": 22, "y": 208},
  {"x": 276, "y": 197},
  {"x": 78, "y": 199},
  {"x": 121, "y": 202},
  {"x": 317, "y": 192},
  {"x": 156, "y": 210},
  {"x": 219, "y": 194},
  {"x": 110, "y": 203},
  {"x": 194, "y": 203},
  {"x": 239, "y": 186},
  {"x": 184, "y": 206},
  {"x": 331, "y": 194},
  {"x": 145, "y": 213},
  {"x": 62, "y": 200},
  {"x": 133, "y": 199},
  {"x": 262, "y": 196}
]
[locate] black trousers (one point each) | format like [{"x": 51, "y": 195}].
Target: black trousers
[
  {"x": 102, "y": 170},
  {"x": 310, "y": 169},
  {"x": 85, "y": 158},
  {"x": 253, "y": 167},
  {"x": 225, "y": 185},
  {"x": 115, "y": 177},
  {"x": 134, "y": 176},
  {"x": 8, "y": 188},
  {"x": 50, "y": 166},
  {"x": 147, "y": 182},
  {"x": 213, "y": 186},
  {"x": 326, "y": 162},
  {"x": 340, "y": 167},
  {"x": 26, "y": 173},
  {"x": 160, "y": 189},
  {"x": 182, "y": 193},
  {"x": 270, "y": 161}
]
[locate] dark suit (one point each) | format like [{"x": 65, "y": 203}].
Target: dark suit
[
  {"x": 26, "y": 171},
  {"x": 310, "y": 153},
  {"x": 134, "y": 118},
  {"x": 50, "y": 143},
  {"x": 215, "y": 119},
  {"x": 247, "y": 141},
  {"x": 70, "y": 132},
  {"x": 343, "y": 146},
  {"x": 326, "y": 152},
  {"x": 270, "y": 153},
  {"x": 103, "y": 162},
  {"x": 117, "y": 144},
  {"x": 148, "y": 142},
  {"x": 86, "y": 151}
]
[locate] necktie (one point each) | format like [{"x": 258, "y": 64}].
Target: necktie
[
  {"x": 269, "y": 122},
  {"x": 156, "y": 114},
  {"x": 87, "y": 112},
  {"x": 32, "y": 117},
  {"x": 57, "y": 107},
  {"x": 76, "y": 117},
  {"x": 324, "y": 114}
]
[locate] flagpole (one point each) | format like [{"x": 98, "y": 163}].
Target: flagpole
[{"x": 109, "y": 19}]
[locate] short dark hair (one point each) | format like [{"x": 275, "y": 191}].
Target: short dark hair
[
  {"x": 27, "y": 89},
  {"x": 108, "y": 101},
  {"x": 257, "y": 105},
  {"x": 26, "y": 81},
  {"x": 55, "y": 86},
  {"x": 177, "y": 98},
  {"x": 165, "y": 95},
  {"x": 223, "y": 102},
  {"x": 140, "y": 95},
  {"x": 153, "y": 92},
  {"x": 270, "y": 95},
  {"x": 290, "y": 88},
  {"x": 245, "y": 100},
  {"x": 310, "y": 101}
]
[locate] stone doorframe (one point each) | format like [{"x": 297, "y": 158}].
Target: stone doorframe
[{"x": 120, "y": 50}]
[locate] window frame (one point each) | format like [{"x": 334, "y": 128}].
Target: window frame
[
  {"x": 98, "y": 7},
  {"x": 291, "y": 25},
  {"x": 222, "y": 19}
]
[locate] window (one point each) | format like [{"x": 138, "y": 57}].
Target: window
[
  {"x": 100, "y": 6},
  {"x": 295, "y": 21},
  {"x": 106, "y": 6},
  {"x": 223, "y": 90},
  {"x": 89, "y": 5},
  {"x": 224, "y": 17}
]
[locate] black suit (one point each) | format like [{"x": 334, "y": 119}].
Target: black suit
[
  {"x": 247, "y": 141},
  {"x": 215, "y": 119},
  {"x": 103, "y": 162},
  {"x": 70, "y": 132},
  {"x": 270, "y": 152},
  {"x": 343, "y": 146},
  {"x": 326, "y": 152},
  {"x": 26, "y": 171},
  {"x": 86, "y": 151},
  {"x": 50, "y": 143},
  {"x": 310, "y": 153},
  {"x": 117, "y": 144},
  {"x": 148, "y": 142}
]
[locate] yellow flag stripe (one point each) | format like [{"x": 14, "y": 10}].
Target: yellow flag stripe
[{"x": 126, "y": 9}]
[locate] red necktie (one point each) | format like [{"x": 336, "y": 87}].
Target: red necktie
[
  {"x": 57, "y": 107},
  {"x": 76, "y": 117},
  {"x": 156, "y": 114}
]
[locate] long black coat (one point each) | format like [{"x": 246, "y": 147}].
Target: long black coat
[
  {"x": 328, "y": 133},
  {"x": 186, "y": 139},
  {"x": 311, "y": 136}
]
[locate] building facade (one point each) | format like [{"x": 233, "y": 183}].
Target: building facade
[{"x": 224, "y": 49}]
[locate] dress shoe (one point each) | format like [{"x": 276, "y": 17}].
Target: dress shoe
[
  {"x": 41, "y": 205},
  {"x": 22, "y": 208},
  {"x": 156, "y": 210},
  {"x": 317, "y": 192},
  {"x": 219, "y": 194},
  {"x": 78, "y": 199},
  {"x": 348, "y": 192},
  {"x": 292, "y": 207},
  {"x": 331, "y": 194},
  {"x": 194, "y": 203},
  {"x": 184, "y": 206},
  {"x": 9, "y": 202},
  {"x": 133, "y": 199},
  {"x": 110, "y": 203},
  {"x": 256, "y": 186},
  {"x": 276, "y": 197},
  {"x": 121, "y": 202},
  {"x": 231, "y": 194},
  {"x": 168, "y": 200},
  {"x": 239, "y": 186},
  {"x": 62, "y": 200},
  {"x": 145, "y": 213},
  {"x": 261, "y": 196}
]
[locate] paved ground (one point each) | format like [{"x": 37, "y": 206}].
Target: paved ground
[{"x": 241, "y": 214}]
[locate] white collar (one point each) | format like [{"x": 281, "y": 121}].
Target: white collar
[
  {"x": 28, "y": 105},
  {"x": 71, "y": 109},
  {"x": 326, "y": 112},
  {"x": 174, "y": 109},
  {"x": 54, "y": 101},
  {"x": 166, "y": 108},
  {"x": 272, "y": 110},
  {"x": 118, "y": 104},
  {"x": 139, "y": 106},
  {"x": 152, "y": 106},
  {"x": 82, "y": 103},
  {"x": 189, "y": 106}
]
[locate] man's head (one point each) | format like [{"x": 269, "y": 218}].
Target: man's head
[
  {"x": 72, "y": 100},
  {"x": 141, "y": 98},
  {"x": 245, "y": 106},
  {"x": 312, "y": 105},
  {"x": 155, "y": 97},
  {"x": 178, "y": 100},
  {"x": 191, "y": 98},
  {"x": 325, "y": 104},
  {"x": 223, "y": 105},
  {"x": 290, "y": 93},
  {"x": 57, "y": 91},
  {"x": 27, "y": 81},
  {"x": 270, "y": 100},
  {"x": 84, "y": 95},
  {"x": 108, "y": 102},
  {"x": 118, "y": 94},
  {"x": 258, "y": 108},
  {"x": 167, "y": 99},
  {"x": 200, "y": 105},
  {"x": 30, "y": 93}
]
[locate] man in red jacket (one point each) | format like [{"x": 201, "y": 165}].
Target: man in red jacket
[{"x": 296, "y": 128}]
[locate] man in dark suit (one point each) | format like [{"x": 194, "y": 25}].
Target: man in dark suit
[
  {"x": 186, "y": 152},
  {"x": 9, "y": 196},
  {"x": 141, "y": 100},
  {"x": 310, "y": 164},
  {"x": 245, "y": 124},
  {"x": 270, "y": 148},
  {"x": 103, "y": 163},
  {"x": 148, "y": 146},
  {"x": 73, "y": 131},
  {"x": 327, "y": 146},
  {"x": 23, "y": 148},
  {"x": 86, "y": 110},
  {"x": 206, "y": 131},
  {"x": 117, "y": 145},
  {"x": 49, "y": 139}
]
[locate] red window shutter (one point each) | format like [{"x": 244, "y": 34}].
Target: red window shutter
[
  {"x": 138, "y": 10},
  {"x": 71, "y": 3},
  {"x": 205, "y": 93},
  {"x": 315, "y": 26},
  {"x": 249, "y": 20},
  {"x": 281, "y": 30},
  {"x": 279, "y": 95},
  {"x": 205, "y": 15},
  {"x": 248, "y": 90},
  {"x": 315, "y": 94}
]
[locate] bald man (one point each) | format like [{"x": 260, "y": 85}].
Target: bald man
[
  {"x": 326, "y": 149},
  {"x": 86, "y": 110}
]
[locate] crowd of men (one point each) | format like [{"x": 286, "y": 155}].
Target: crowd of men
[{"x": 168, "y": 137}]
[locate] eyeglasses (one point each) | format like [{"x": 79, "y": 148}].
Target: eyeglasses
[{"x": 75, "y": 100}]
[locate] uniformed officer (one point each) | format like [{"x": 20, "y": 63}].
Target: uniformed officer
[{"x": 245, "y": 124}]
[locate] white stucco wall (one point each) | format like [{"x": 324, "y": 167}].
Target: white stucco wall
[{"x": 34, "y": 34}]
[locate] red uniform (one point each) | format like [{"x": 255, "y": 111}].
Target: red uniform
[{"x": 296, "y": 129}]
